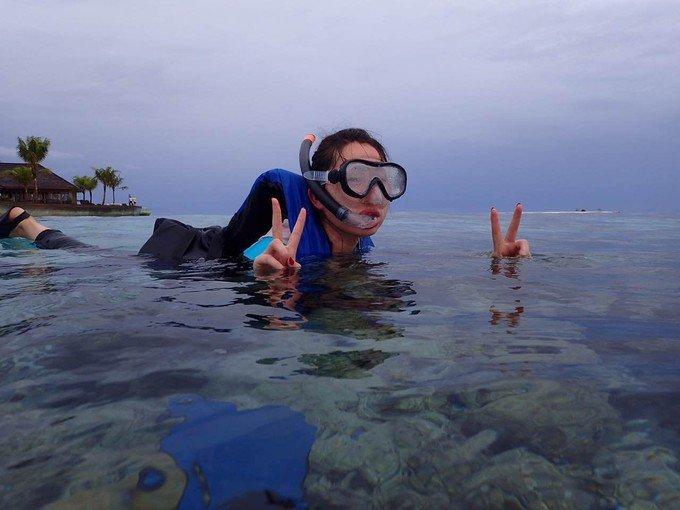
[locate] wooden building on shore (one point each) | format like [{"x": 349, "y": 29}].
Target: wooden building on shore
[{"x": 52, "y": 189}]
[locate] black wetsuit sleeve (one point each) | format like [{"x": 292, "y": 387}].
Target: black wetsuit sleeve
[
  {"x": 254, "y": 217},
  {"x": 174, "y": 240}
]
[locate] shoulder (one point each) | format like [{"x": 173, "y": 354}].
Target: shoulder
[{"x": 280, "y": 175}]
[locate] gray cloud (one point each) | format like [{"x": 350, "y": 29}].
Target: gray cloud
[{"x": 494, "y": 99}]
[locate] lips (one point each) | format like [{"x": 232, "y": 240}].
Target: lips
[
  {"x": 373, "y": 213},
  {"x": 372, "y": 218}
]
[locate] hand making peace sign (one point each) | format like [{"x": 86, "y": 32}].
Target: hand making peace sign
[
  {"x": 278, "y": 255},
  {"x": 508, "y": 246}
]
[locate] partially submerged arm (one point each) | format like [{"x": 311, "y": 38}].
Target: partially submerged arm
[
  {"x": 508, "y": 246},
  {"x": 174, "y": 240}
]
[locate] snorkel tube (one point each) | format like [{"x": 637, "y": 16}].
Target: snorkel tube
[
  {"x": 328, "y": 201},
  {"x": 342, "y": 213}
]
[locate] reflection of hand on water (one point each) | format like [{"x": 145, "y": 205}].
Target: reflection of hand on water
[
  {"x": 512, "y": 318},
  {"x": 282, "y": 292},
  {"x": 508, "y": 267},
  {"x": 344, "y": 295}
]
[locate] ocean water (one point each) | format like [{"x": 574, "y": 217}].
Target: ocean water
[{"x": 422, "y": 375}]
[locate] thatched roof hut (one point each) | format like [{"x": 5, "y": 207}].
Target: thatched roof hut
[{"x": 52, "y": 189}]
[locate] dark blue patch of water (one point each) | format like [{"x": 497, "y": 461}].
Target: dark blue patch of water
[{"x": 244, "y": 458}]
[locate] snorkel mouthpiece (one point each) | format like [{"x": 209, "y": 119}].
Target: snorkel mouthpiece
[{"x": 362, "y": 221}]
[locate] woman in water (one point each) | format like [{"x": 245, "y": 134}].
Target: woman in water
[{"x": 338, "y": 202}]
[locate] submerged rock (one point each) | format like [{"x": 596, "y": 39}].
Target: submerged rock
[
  {"x": 636, "y": 477},
  {"x": 141, "y": 490},
  {"x": 520, "y": 479},
  {"x": 343, "y": 364},
  {"x": 558, "y": 421}
]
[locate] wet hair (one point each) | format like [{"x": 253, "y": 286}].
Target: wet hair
[{"x": 331, "y": 147}]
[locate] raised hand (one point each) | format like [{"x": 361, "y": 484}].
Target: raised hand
[
  {"x": 508, "y": 246},
  {"x": 278, "y": 255}
]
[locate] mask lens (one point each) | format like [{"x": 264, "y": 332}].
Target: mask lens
[
  {"x": 360, "y": 176},
  {"x": 394, "y": 181}
]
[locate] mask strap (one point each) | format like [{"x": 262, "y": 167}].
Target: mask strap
[{"x": 316, "y": 175}]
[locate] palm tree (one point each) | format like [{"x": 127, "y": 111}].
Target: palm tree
[
  {"x": 33, "y": 150},
  {"x": 23, "y": 175},
  {"x": 79, "y": 182},
  {"x": 100, "y": 175},
  {"x": 115, "y": 182},
  {"x": 89, "y": 184},
  {"x": 105, "y": 176}
]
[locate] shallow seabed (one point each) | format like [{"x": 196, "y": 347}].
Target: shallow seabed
[{"x": 422, "y": 375}]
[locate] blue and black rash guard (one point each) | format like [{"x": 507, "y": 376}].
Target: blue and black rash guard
[{"x": 174, "y": 240}]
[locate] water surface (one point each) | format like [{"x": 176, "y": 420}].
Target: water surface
[{"x": 422, "y": 375}]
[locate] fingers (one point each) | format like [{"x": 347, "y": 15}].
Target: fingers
[
  {"x": 511, "y": 234},
  {"x": 278, "y": 250},
  {"x": 496, "y": 234},
  {"x": 277, "y": 222},
  {"x": 519, "y": 248},
  {"x": 296, "y": 234},
  {"x": 266, "y": 263},
  {"x": 275, "y": 258},
  {"x": 282, "y": 253}
]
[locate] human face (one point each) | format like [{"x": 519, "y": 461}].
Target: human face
[{"x": 374, "y": 204}]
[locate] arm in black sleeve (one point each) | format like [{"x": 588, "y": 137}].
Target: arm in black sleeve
[
  {"x": 173, "y": 240},
  {"x": 254, "y": 217}
]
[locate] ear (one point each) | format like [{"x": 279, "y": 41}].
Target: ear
[{"x": 315, "y": 201}]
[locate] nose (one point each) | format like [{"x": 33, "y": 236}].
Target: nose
[{"x": 375, "y": 196}]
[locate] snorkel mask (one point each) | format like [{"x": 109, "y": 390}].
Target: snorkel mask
[{"x": 357, "y": 178}]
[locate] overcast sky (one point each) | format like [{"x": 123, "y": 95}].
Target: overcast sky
[{"x": 557, "y": 104}]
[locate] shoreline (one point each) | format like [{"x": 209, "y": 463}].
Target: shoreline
[{"x": 78, "y": 210}]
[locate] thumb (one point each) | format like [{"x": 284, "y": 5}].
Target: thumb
[{"x": 523, "y": 249}]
